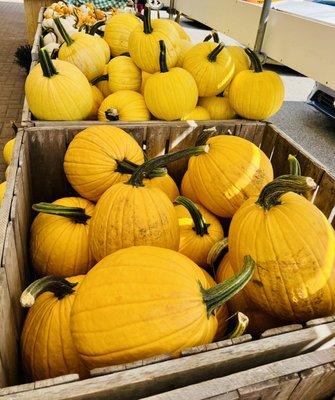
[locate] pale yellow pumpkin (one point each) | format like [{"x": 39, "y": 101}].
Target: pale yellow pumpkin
[
  {"x": 145, "y": 76},
  {"x": 197, "y": 114},
  {"x": 97, "y": 100},
  {"x": 123, "y": 74},
  {"x": 181, "y": 31},
  {"x": 93, "y": 160},
  {"x": 187, "y": 190},
  {"x": 3, "y": 187},
  {"x": 185, "y": 46},
  {"x": 240, "y": 58},
  {"x": 58, "y": 91},
  {"x": 103, "y": 85},
  {"x": 8, "y": 151},
  {"x": 117, "y": 32},
  {"x": 218, "y": 107}
]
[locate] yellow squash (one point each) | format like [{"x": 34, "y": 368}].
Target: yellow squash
[
  {"x": 240, "y": 58},
  {"x": 185, "y": 46},
  {"x": 117, "y": 32},
  {"x": 97, "y": 100},
  {"x": 83, "y": 50},
  {"x": 59, "y": 237},
  {"x": 3, "y": 186},
  {"x": 232, "y": 170},
  {"x": 58, "y": 91},
  {"x": 218, "y": 107},
  {"x": 46, "y": 344},
  {"x": 8, "y": 151},
  {"x": 123, "y": 74},
  {"x": 256, "y": 94},
  {"x": 124, "y": 105},
  {"x": 294, "y": 251},
  {"x": 143, "y": 43},
  {"x": 144, "y": 301},
  {"x": 170, "y": 94},
  {"x": 94, "y": 159},
  {"x": 199, "y": 230},
  {"x": 197, "y": 114},
  {"x": 212, "y": 67}
]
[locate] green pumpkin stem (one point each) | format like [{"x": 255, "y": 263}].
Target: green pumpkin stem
[
  {"x": 272, "y": 192},
  {"x": 112, "y": 114},
  {"x": 295, "y": 168},
  {"x": 237, "y": 325},
  {"x": 255, "y": 61},
  {"x": 200, "y": 226},
  {"x": 75, "y": 213},
  {"x": 205, "y": 135},
  {"x": 60, "y": 287},
  {"x": 208, "y": 38},
  {"x": 63, "y": 32},
  {"x": 128, "y": 167},
  {"x": 215, "y": 52},
  {"x": 94, "y": 28},
  {"x": 147, "y": 27},
  {"x": 41, "y": 42},
  {"x": 99, "y": 79},
  {"x": 162, "y": 57},
  {"x": 217, "y": 251},
  {"x": 216, "y": 296},
  {"x": 47, "y": 65},
  {"x": 145, "y": 169},
  {"x": 215, "y": 36}
]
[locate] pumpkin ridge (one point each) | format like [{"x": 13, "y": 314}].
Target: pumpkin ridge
[{"x": 61, "y": 339}]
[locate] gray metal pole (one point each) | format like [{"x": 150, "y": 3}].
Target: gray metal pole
[
  {"x": 171, "y": 8},
  {"x": 262, "y": 26}
]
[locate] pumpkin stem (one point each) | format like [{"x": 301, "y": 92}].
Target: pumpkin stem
[
  {"x": 94, "y": 28},
  {"x": 200, "y": 226},
  {"x": 177, "y": 19},
  {"x": 295, "y": 168},
  {"x": 162, "y": 57},
  {"x": 99, "y": 79},
  {"x": 213, "y": 35},
  {"x": 255, "y": 61},
  {"x": 215, "y": 52},
  {"x": 75, "y": 213},
  {"x": 47, "y": 65},
  {"x": 147, "y": 27},
  {"x": 216, "y": 296},
  {"x": 145, "y": 169},
  {"x": 208, "y": 37},
  {"x": 128, "y": 167},
  {"x": 112, "y": 114},
  {"x": 205, "y": 135},
  {"x": 217, "y": 251},
  {"x": 63, "y": 32},
  {"x": 41, "y": 42},
  {"x": 60, "y": 287},
  {"x": 126, "y": 54},
  {"x": 237, "y": 325},
  {"x": 272, "y": 192}
]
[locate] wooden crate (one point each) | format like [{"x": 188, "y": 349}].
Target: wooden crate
[
  {"x": 39, "y": 176},
  {"x": 32, "y": 10}
]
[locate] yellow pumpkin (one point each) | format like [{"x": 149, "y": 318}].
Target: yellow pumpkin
[
  {"x": 117, "y": 32},
  {"x": 124, "y": 105},
  {"x": 294, "y": 251},
  {"x": 218, "y": 107},
  {"x": 94, "y": 159},
  {"x": 140, "y": 214},
  {"x": 59, "y": 237},
  {"x": 259, "y": 321},
  {"x": 103, "y": 85},
  {"x": 212, "y": 67},
  {"x": 3, "y": 186},
  {"x": 164, "y": 183},
  {"x": 144, "y": 301},
  {"x": 143, "y": 43},
  {"x": 185, "y": 46},
  {"x": 181, "y": 31},
  {"x": 187, "y": 190},
  {"x": 58, "y": 91},
  {"x": 170, "y": 94},
  {"x": 197, "y": 114},
  {"x": 82, "y": 50},
  {"x": 97, "y": 100},
  {"x": 256, "y": 94},
  {"x": 232, "y": 170},
  {"x": 123, "y": 74},
  {"x": 199, "y": 230},
  {"x": 8, "y": 151},
  {"x": 145, "y": 77},
  {"x": 46, "y": 343},
  {"x": 240, "y": 58}
]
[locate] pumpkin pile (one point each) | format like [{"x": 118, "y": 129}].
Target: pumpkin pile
[
  {"x": 126, "y": 267},
  {"x": 121, "y": 68}
]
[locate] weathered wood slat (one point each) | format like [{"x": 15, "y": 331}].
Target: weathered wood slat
[
  {"x": 325, "y": 196},
  {"x": 281, "y": 329}
]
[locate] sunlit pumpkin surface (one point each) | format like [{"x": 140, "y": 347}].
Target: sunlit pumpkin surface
[
  {"x": 123, "y": 74},
  {"x": 218, "y": 107}
]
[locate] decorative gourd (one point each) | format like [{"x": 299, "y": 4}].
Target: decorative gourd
[
  {"x": 103, "y": 85},
  {"x": 123, "y": 74},
  {"x": 94, "y": 159},
  {"x": 294, "y": 251},
  {"x": 211, "y": 66},
  {"x": 3, "y": 186},
  {"x": 46, "y": 343},
  {"x": 218, "y": 107},
  {"x": 143, "y": 43},
  {"x": 197, "y": 114},
  {"x": 199, "y": 230},
  {"x": 233, "y": 170},
  {"x": 240, "y": 58},
  {"x": 58, "y": 91},
  {"x": 185, "y": 46},
  {"x": 82, "y": 50},
  {"x": 146, "y": 289},
  {"x": 145, "y": 76},
  {"x": 133, "y": 214},
  {"x": 97, "y": 100},
  {"x": 124, "y": 105},
  {"x": 59, "y": 237},
  {"x": 8, "y": 151},
  {"x": 170, "y": 94},
  {"x": 256, "y": 94},
  {"x": 117, "y": 32}
]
